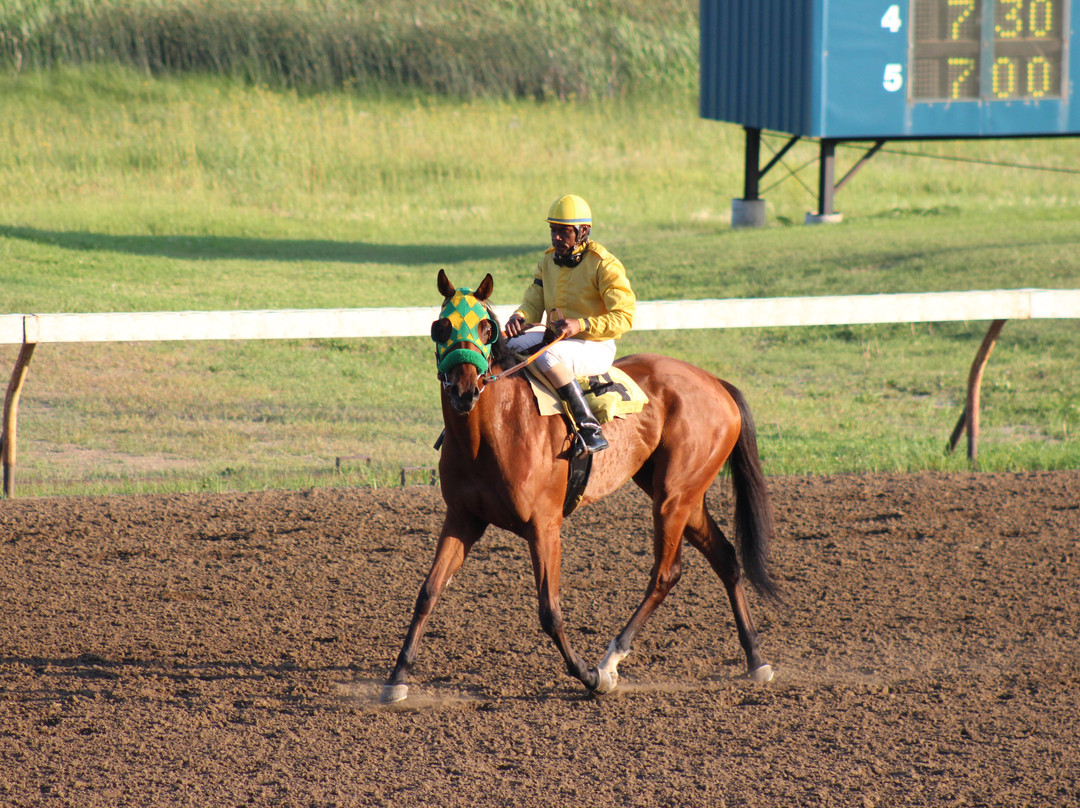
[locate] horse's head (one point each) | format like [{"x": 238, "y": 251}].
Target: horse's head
[{"x": 464, "y": 334}]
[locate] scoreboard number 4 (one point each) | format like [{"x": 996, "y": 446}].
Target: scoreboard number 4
[{"x": 891, "y": 19}]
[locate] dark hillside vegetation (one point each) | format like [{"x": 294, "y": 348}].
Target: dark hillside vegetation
[{"x": 535, "y": 48}]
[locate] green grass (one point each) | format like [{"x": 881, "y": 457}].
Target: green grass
[
  {"x": 520, "y": 48},
  {"x": 129, "y": 193}
]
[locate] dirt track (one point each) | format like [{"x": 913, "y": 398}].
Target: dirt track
[{"x": 228, "y": 650}]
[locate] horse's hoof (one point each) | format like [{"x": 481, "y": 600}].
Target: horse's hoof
[
  {"x": 392, "y": 694},
  {"x": 761, "y": 675},
  {"x": 606, "y": 682}
]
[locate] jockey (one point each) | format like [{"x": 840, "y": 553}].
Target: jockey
[{"x": 584, "y": 292}]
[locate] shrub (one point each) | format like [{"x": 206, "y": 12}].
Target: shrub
[{"x": 538, "y": 48}]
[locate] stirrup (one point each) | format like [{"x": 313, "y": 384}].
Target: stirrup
[{"x": 579, "y": 446}]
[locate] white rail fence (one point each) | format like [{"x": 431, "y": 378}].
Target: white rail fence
[{"x": 30, "y": 330}]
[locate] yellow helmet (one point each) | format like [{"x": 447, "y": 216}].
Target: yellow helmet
[{"x": 570, "y": 209}]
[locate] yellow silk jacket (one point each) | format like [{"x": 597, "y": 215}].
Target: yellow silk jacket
[{"x": 596, "y": 292}]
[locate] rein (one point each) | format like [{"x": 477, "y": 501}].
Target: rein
[{"x": 490, "y": 377}]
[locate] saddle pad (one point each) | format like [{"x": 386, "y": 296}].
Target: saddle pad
[{"x": 610, "y": 395}]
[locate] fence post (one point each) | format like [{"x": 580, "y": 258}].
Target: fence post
[
  {"x": 8, "y": 439},
  {"x": 969, "y": 418}
]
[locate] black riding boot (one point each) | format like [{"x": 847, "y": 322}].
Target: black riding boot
[{"x": 588, "y": 428}]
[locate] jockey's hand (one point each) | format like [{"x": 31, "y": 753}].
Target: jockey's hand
[
  {"x": 566, "y": 328},
  {"x": 515, "y": 325}
]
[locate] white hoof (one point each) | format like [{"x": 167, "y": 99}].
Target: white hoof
[
  {"x": 606, "y": 682},
  {"x": 607, "y": 670},
  {"x": 391, "y": 694},
  {"x": 762, "y": 675}
]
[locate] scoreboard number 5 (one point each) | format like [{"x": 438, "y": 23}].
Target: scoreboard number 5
[{"x": 894, "y": 77}]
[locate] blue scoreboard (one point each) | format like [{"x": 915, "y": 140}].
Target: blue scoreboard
[{"x": 881, "y": 70}]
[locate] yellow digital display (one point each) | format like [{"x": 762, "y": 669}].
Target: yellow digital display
[{"x": 987, "y": 49}]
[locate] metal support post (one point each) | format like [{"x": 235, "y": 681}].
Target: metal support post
[{"x": 750, "y": 210}]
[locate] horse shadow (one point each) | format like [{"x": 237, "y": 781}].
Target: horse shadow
[{"x": 92, "y": 676}]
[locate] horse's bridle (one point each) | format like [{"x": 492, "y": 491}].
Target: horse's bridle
[{"x": 458, "y": 325}]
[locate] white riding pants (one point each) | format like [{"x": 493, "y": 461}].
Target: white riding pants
[{"x": 582, "y": 357}]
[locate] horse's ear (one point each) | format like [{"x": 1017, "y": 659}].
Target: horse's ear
[
  {"x": 446, "y": 289},
  {"x": 483, "y": 291}
]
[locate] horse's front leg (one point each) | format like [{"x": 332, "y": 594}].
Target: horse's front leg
[
  {"x": 669, "y": 520},
  {"x": 459, "y": 533},
  {"x": 546, "y": 550}
]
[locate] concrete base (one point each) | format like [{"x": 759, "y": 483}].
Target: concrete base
[
  {"x": 747, "y": 212},
  {"x": 824, "y": 218}
]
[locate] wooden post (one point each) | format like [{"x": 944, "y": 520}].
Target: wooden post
[
  {"x": 969, "y": 418},
  {"x": 11, "y": 416}
]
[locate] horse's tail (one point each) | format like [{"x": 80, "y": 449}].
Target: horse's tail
[{"x": 754, "y": 529}]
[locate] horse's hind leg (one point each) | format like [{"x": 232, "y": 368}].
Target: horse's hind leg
[
  {"x": 458, "y": 535},
  {"x": 704, "y": 534}
]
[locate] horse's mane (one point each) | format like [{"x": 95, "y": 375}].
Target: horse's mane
[{"x": 500, "y": 352}]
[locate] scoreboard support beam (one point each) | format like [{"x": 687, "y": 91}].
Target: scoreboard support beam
[
  {"x": 750, "y": 210},
  {"x": 860, "y": 163},
  {"x": 751, "y": 172},
  {"x": 826, "y": 186}
]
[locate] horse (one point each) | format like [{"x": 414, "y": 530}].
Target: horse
[{"x": 502, "y": 463}]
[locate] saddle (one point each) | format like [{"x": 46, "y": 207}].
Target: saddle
[{"x": 610, "y": 395}]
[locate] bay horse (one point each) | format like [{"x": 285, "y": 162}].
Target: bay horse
[{"x": 504, "y": 464}]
